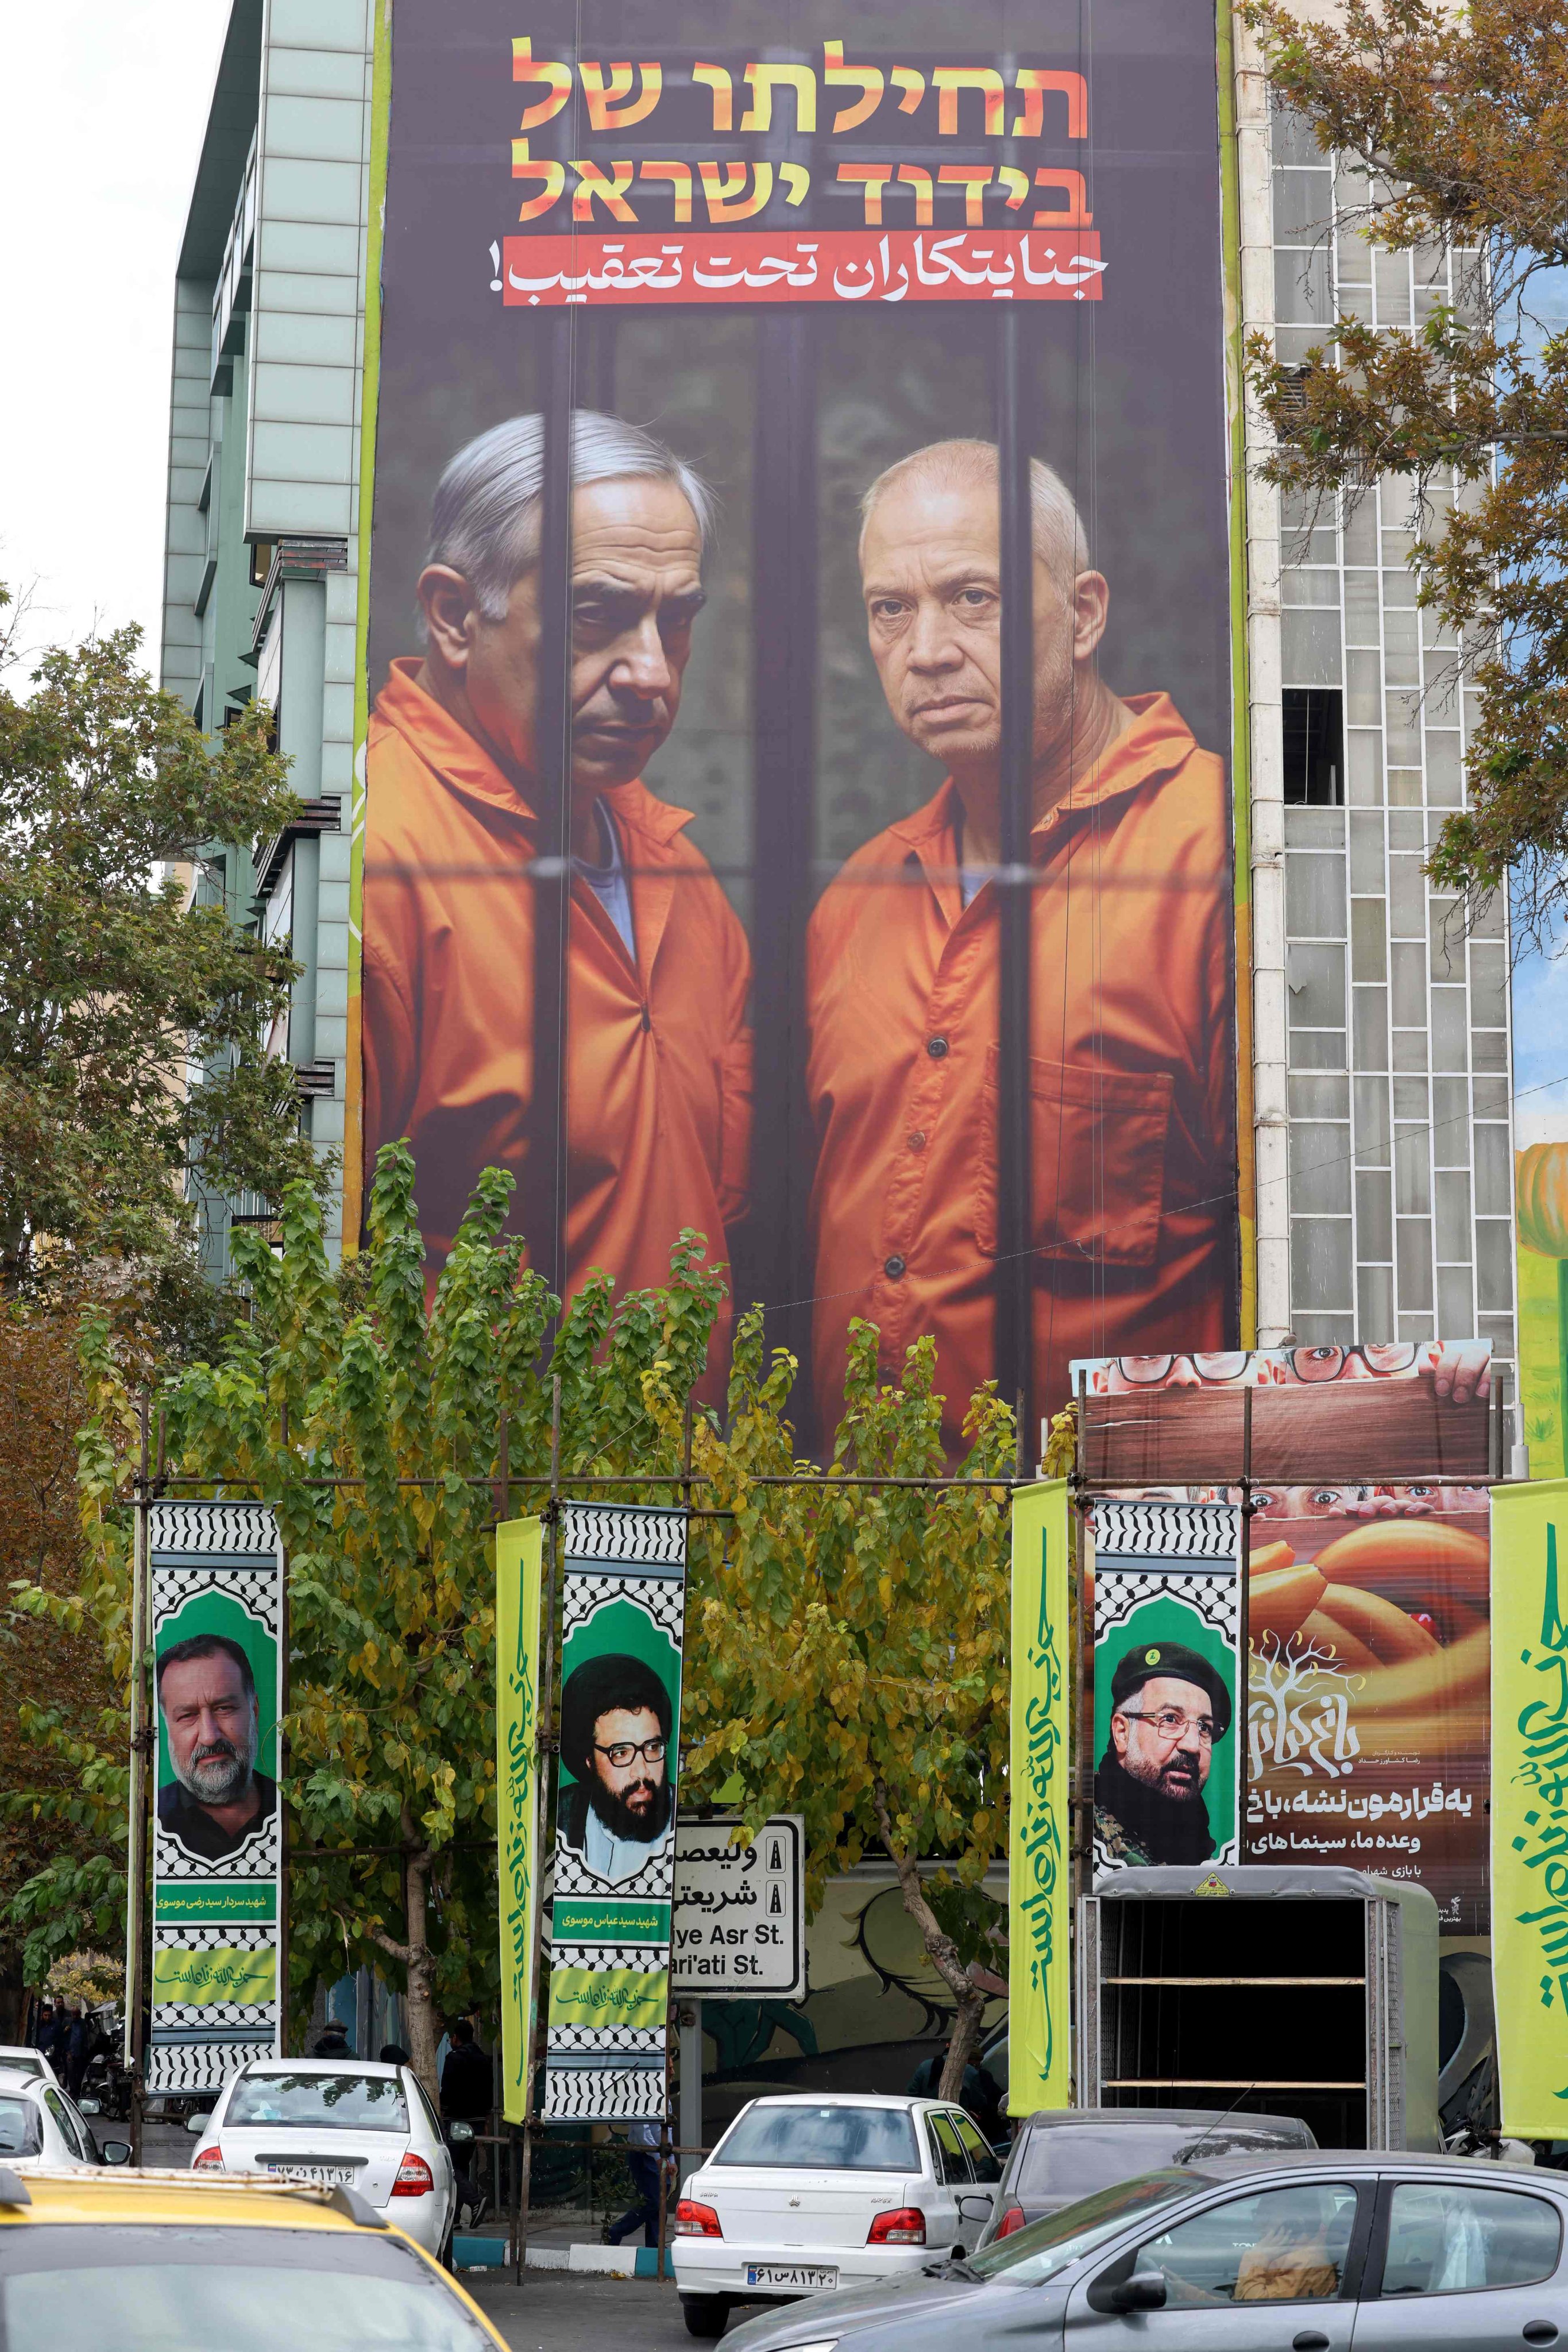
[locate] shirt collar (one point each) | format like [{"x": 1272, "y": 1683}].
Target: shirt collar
[
  {"x": 442, "y": 743},
  {"x": 1153, "y": 746}
]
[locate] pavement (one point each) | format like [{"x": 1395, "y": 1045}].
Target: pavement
[{"x": 554, "y": 2311}]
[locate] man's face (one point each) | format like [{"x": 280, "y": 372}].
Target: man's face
[
  {"x": 214, "y": 1726},
  {"x": 1174, "y": 1761},
  {"x": 628, "y": 1788},
  {"x": 930, "y": 574},
  {"x": 636, "y": 589}
]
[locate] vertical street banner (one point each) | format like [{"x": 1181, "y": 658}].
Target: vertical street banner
[
  {"x": 519, "y": 1547},
  {"x": 1039, "y": 1878},
  {"x": 623, "y": 1624},
  {"x": 777, "y": 288},
  {"x": 1530, "y": 1806},
  {"x": 217, "y": 1628},
  {"x": 1167, "y": 1681}
]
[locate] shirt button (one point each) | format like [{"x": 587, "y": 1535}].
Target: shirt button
[
  {"x": 918, "y": 1139},
  {"x": 936, "y": 1047},
  {"x": 893, "y": 1268}
]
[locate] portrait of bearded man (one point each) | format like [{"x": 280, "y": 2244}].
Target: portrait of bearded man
[
  {"x": 619, "y": 1815},
  {"x": 1169, "y": 1708},
  {"x": 212, "y": 1728}
]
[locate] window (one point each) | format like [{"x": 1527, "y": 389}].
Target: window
[
  {"x": 324, "y": 2102},
  {"x": 19, "y": 2133},
  {"x": 983, "y": 2164},
  {"x": 948, "y": 2162},
  {"x": 63, "y": 2124},
  {"x": 1313, "y": 718},
  {"x": 1279, "y": 2245},
  {"x": 1442, "y": 2241},
  {"x": 821, "y": 2139}
]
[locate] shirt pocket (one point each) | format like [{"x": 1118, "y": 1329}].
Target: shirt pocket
[{"x": 1097, "y": 1158}]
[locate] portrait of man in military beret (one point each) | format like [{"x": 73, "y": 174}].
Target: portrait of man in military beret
[{"x": 1168, "y": 1707}]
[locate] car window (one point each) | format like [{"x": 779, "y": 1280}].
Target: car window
[
  {"x": 146, "y": 2288},
  {"x": 1278, "y": 2245},
  {"x": 346, "y": 2102},
  {"x": 66, "y": 2129},
  {"x": 20, "y": 2129},
  {"x": 948, "y": 2160},
  {"x": 984, "y": 2165},
  {"x": 426, "y": 2109},
  {"x": 1061, "y": 2239},
  {"x": 1442, "y": 2241},
  {"x": 85, "y": 2139},
  {"x": 821, "y": 2139}
]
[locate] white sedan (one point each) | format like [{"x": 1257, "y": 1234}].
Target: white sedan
[
  {"x": 41, "y": 2127},
  {"x": 804, "y": 2193},
  {"x": 345, "y": 2122}
]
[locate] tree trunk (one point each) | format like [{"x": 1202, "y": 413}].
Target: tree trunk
[
  {"x": 424, "y": 2025},
  {"x": 968, "y": 1998}
]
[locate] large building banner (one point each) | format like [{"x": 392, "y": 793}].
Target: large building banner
[
  {"x": 776, "y": 285},
  {"x": 1530, "y": 1807},
  {"x": 622, "y": 1620},
  {"x": 519, "y": 1549},
  {"x": 1039, "y": 1792},
  {"x": 217, "y": 1623},
  {"x": 1167, "y": 1683}
]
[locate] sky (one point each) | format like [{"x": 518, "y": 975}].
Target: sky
[{"x": 102, "y": 107}]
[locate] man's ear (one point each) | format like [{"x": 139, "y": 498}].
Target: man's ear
[
  {"x": 451, "y": 614},
  {"x": 1091, "y": 612},
  {"x": 1119, "y": 1736}
]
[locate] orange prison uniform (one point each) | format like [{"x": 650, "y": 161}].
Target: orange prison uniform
[
  {"x": 658, "y": 1064},
  {"x": 1133, "y": 1153}
]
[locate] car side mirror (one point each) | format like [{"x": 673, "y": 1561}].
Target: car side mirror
[
  {"x": 460, "y": 2134},
  {"x": 116, "y": 2151},
  {"x": 90, "y": 2107},
  {"x": 1144, "y": 2291},
  {"x": 198, "y": 2124},
  {"x": 975, "y": 2209}
]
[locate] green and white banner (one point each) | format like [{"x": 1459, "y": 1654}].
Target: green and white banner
[
  {"x": 519, "y": 1556},
  {"x": 622, "y": 1623},
  {"x": 1039, "y": 1882},
  {"x": 1530, "y": 1805},
  {"x": 217, "y": 1618}
]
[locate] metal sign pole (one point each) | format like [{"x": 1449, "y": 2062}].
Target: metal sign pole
[
  {"x": 545, "y": 1748},
  {"x": 136, "y": 1832}
]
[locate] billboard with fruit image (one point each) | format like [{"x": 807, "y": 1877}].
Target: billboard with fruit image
[{"x": 1368, "y": 1716}]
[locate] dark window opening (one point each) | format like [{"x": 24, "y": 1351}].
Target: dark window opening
[{"x": 1314, "y": 746}]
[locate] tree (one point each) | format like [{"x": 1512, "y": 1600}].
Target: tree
[
  {"x": 888, "y": 1607},
  {"x": 1456, "y": 123},
  {"x": 112, "y": 989},
  {"x": 849, "y": 1645}
]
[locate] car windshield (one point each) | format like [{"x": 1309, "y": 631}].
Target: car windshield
[
  {"x": 19, "y": 2130},
  {"x": 822, "y": 2139},
  {"x": 1045, "y": 2247},
  {"x": 1069, "y": 2160},
  {"x": 320, "y": 2102},
  {"x": 180, "y": 2289}
]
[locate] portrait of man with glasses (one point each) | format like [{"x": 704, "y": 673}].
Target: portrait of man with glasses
[
  {"x": 1168, "y": 1707},
  {"x": 620, "y": 1814}
]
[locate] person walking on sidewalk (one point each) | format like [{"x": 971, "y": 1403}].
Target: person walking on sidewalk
[{"x": 643, "y": 2141}]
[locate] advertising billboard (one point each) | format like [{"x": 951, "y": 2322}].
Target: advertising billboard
[
  {"x": 797, "y": 792},
  {"x": 217, "y": 1618},
  {"x": 1368, "y": 1591}
]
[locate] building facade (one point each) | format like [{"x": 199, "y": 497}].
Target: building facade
[{"x": 1379, "y": 1044}]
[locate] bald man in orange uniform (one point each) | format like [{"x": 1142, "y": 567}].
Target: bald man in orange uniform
[
  {"x": 658, "y": 1071},
  {"x": 1135, "y": 1234}
]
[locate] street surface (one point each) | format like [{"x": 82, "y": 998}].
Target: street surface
[{"x": 553, "y": 2310}]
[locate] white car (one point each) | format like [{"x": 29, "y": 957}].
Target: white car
[
  {"x": 351, "y": 2123},
  {"x": 805, "y": 2193},
  {"x": 40, "y": 2127},
  {"x": 21, "y": 2058}
]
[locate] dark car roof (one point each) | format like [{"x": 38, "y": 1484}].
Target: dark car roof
[{"x": 1178, "y": 2119}]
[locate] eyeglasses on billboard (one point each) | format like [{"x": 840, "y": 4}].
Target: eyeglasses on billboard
[
  {"x": 1213, "y": 1368},
  {"x": 1327, "y": 1363}
]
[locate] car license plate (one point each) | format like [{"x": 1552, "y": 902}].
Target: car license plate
[
  {"x": 804, "y": 2277},
  {"x": 324, "y": 2175}
]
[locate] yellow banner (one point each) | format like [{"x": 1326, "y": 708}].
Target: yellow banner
[
  {"x": 1530, "y": 1807},
  {"x": 229, "y": 1973},
  {"x": 1039, "y": 1880},
  {"x": 604, "y": 1997},
  {"x": 520, "y": 1552}
]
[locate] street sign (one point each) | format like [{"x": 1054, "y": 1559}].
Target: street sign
[{"x": 739, "y": 1929}]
